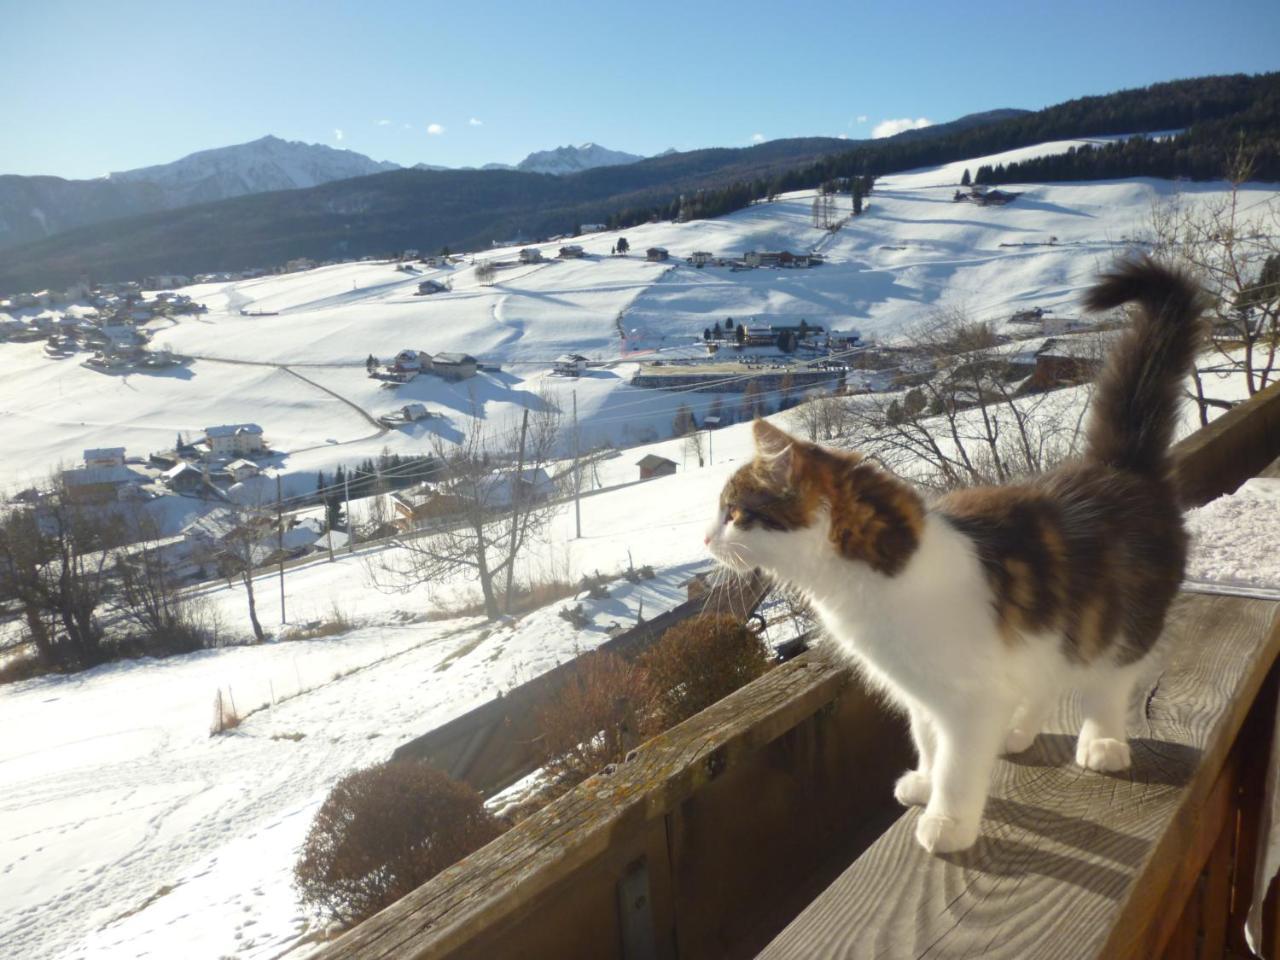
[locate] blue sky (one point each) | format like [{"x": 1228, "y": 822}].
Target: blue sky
[{"x": 91, "y": 87}]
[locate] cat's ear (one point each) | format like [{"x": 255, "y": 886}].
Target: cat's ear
[{"x": 775, "y": 450}]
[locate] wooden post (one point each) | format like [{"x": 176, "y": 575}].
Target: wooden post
[
  {"x": 577, "y": 476},
  {"x": 280, "y": 544}
]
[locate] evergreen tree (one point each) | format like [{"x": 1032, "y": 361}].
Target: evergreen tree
[
  {"x": 706, "y": 334},
  {"x": 741, "y": 334},
  {"x": 623, "y": 246},
  {"x": 717, "y": 330},
  {"x": 857, "y": 196},
  {"x": 966, "y": 180}
]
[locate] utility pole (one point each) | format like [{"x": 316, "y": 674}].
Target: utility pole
[
  {"x": 280, "y": 544},
  {"x": 577, "y": 476},
  {"x": 710, "y": 423},
  {"x": 351, "y": 524}
]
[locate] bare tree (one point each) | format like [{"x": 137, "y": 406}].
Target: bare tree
[
  {"x": 495, "y": 499},
  {"x": 55, "y": 559},
  {"x": 485, "y": 273},
  {"x": 236, "y": 539},
  {"x": 966, "y": 412},
  {"x": 693, "y": 444},
  {"x": 1232, "y": 245}
]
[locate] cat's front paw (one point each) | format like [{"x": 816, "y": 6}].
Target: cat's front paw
[
  {"x": 939, "y": 834},
  {"x": 913, "y": 789},
  {"x": 1103, "y": 754}
]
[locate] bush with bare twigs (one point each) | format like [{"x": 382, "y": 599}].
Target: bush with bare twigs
[
  {"x": 699, "y": 662},
  {"x": 595, "y": 719},
  {"x": 384, "y": 831}
]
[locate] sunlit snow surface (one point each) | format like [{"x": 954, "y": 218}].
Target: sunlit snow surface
[{"x": 129, "y": 832}]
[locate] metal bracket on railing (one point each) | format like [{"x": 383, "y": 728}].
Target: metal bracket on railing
[{"x": 635, "y": 913}]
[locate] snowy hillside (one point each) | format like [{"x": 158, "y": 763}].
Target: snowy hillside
[
  {"x": 268, "y": 163},
  {"x": 912, "y": 251}
]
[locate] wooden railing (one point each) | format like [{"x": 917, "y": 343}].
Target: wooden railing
[{"x": 773, "y": 810}]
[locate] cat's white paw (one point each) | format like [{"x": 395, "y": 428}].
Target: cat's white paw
[
  {"x": 913, "y": 789},
  {"x": 939, "y": 834},
  {"x": 1018, "y": 740},
  {"x": 1103, "y": 754}
]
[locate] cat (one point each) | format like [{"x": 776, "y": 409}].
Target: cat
[{"x": 977, "y": 612}]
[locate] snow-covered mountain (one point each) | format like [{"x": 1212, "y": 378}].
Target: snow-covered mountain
[
  {"x": 571, "y": 159},
  {"x": 268, "y": 163},
  {"x": 561, "y": 160}
]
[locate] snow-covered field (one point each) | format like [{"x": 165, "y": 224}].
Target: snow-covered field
[
  {"x": 913, "y": 250},
  {"x": 128, "y": 831}
]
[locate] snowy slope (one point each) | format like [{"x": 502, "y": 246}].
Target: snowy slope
[{"x": 911, "y": 252}]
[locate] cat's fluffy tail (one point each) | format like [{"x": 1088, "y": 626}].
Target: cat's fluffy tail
[{"x": 1139, "y": 390}]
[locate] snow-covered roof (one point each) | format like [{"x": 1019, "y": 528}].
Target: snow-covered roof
[
  {"x": 652, "y": 460},
  {"x": 104, "y": 453},
  {"x": 453, "y": 358},
  {"x": 241, "y": 464},
  {"x": 179, "y": 469},
  {"x": 233, "y": 429},
  {"x": 87, "y": 476}
]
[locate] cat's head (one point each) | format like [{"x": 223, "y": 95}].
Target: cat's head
[{"x": 797, "y": 502}]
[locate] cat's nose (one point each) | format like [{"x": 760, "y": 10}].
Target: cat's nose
[{"x": 706, "y": 540}]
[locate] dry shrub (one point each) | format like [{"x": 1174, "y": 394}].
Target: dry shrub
[
  {"x": 595, "y": 718},
  {"x": 698, "y": 662},
  {"x": 382, "y": 832}
]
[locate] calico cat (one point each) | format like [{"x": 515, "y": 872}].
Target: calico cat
[{"x": 977, "y": 612}]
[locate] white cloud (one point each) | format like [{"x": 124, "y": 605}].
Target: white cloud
[
  {"x": 435, "y": 129},
  {"x": 338, "y": 134},
  {"x": 843, "y": 136},
  {"x": 384, "y": 123},
  {"x": 473, "y": 122},
  {"x": 862, "y": 118},
  {"x": 757, "y": 138},
  {"x": 887, "y": 128}
]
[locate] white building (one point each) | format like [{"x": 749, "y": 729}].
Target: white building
[
  {"x": 104, "y": 457},
  {"x": 530, "y": 255},
  {"x": 241, "y": 470},
  {"x": 234, "y": 439}
]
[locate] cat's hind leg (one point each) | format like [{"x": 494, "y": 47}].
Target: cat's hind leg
[
  {"x": 1028, "y": 719},
  {"x": 915, "y": 786},
  {"x": 1104, "y": 699}
]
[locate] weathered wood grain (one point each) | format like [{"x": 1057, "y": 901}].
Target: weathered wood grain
[{"x": 1068, "y": 860}]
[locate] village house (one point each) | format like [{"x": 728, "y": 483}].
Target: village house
[
  {"x": 241, "y": 470},
  {"x": 569, "y": 365},
  {"x": 407, "y": 361},
  {"x": 530, "y": 255},
  {"x": 572, "y": 252},
  {"x": 653, "y": 465},
  {"x": 1066, "y": 360},
  {"x": 184, "y": 478},
  {"x": 413, "y": 412},
  {"x": 234, "y": 439},
  {"x": 656, "y": 254},
  {"x": 104, "y": 457},
  {"x": 700, "y": 258},
  {"x": 592, "y": 228},
  {"x": 96, "y": 484},
  {"x": 299, "y": 263},
  {"x": 428, "y": 287},
  {"x": 454, "y": 366}
]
